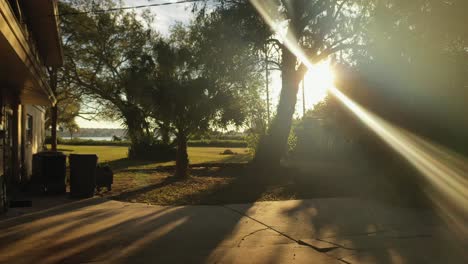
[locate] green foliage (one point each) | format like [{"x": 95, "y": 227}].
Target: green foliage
[
  {"x": 217, "y": 143},
  {"x": 253, "y": 140},
  {"x": 191, "y": 143},
  {"x": 413, "y": 72},
  {"x": 320, "y": 139},
  {"x": 48, "y": 140},
  {"x": 153, "y": 150},
  {"x": 87, "y": 142},
  {"x": 192, "y": 82},
  {"x": 99, "y": 52},
  {"x": 292, "y": 141},
  {"x": 319, "y": 28}
]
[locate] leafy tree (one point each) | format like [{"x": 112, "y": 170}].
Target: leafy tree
[
  {"x": 412, "y": 73},
  {"x": 99, "y": 50},
  {"x": 68, "y": 106},
  {"x": 200, "y": 82},
  {"x": 319, "y": 29},
  {"x": 415, "y": 64},
  {"x": 72, "y": 128}
]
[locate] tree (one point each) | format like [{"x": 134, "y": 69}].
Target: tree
[
  {"x": 67, "y": 107},
  {"x": 318, "y": 29},
  {"x": 72, "y": 128},
  {"x": 412, "y": 73},
  {"x": 53, "y": 111},
  {"x": 99, "y": 49},
  {"x": 194, "y": 89},
  {"x": 420, "y": 46}
]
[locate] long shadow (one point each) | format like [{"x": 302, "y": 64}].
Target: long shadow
[
  {"x": 65, "y": 150},
  {"x": 240, "y": 183},
  {"x": 370, "y": 217},
  {"x": 103, "y": 231},
  {"x": 122, "y": 164},
  {"x": 126, "y": 195},
  {"x": 237, "y": 158}
]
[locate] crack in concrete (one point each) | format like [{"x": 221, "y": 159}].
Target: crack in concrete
[
  {"x": 250, "y": 234},
  {"x": 260, "y": 222},
  {"x": 412, "y": 236},
  {"x": 298, "y": 241},
  {"x": 319, "y": 249},
  {"x": 335, "y": 244},
  {"x": 359, "y": 234}
]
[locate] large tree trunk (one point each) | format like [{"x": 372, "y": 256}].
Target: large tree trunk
[
  {"x": 273, "y": 145},
  {"x": 164, "y": 132},
  {"x": 182, "y": 156}
]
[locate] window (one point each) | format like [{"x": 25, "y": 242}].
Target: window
[{"x": 29, "y": 129}]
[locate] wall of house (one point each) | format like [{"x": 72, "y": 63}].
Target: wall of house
[{"x": 34, "y": 142}]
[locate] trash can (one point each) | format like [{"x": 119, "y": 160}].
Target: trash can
[
  {"x": 82, "y": 175},
  {"x": 49, "y": 171}
]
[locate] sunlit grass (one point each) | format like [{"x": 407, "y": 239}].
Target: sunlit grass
[{"x": 196, "y": 154}]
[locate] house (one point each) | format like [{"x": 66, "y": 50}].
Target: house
[{"x": 29, "y": 45}]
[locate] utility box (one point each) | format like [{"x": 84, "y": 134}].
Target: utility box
[
  {"x": 49, "y": 171},
  {"x": 104, "y": 177},
  {"x": 82, "y": 175}
]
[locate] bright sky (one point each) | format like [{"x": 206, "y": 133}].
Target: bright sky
[{"x": 166, "y": 16}]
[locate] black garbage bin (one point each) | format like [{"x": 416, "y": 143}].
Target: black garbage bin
[
  {"x": 49, "y": 171},
  {"x": 82, "y": 175}
]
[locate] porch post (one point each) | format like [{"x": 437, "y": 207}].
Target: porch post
[{"x": 16, "y": 140}]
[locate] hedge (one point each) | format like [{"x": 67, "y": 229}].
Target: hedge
[
  {"x": 218, "y": 143},
  {"x": 191, "y": 143}
]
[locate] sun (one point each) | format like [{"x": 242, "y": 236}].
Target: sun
[{"x": 317, "y": 81}]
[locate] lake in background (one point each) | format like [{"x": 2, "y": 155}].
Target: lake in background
[{"x": 91, "y": 138}]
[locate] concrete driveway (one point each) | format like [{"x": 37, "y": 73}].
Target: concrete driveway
[{"x": 335, "y": 230}]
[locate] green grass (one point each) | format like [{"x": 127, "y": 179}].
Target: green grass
[
  {"x": 196, "y": 154},
  {"x": 104, "y": 153}
]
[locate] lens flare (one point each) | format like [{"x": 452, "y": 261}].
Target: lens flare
[
  {"x": 444, "y": 171},
  {"x": 317, "y": 81}
]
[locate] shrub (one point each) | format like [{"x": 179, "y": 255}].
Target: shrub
[
  {"x": 252, "y": 141},
  {"x": 218, "y": 143},
  {"x": 228, "y": 152},
  {"x": 90, "y": 142},
  {"x": 48, "y": 140},
  {"x": 152, "y": 150}
]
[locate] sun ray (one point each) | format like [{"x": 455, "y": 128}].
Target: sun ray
[{"x": 447, "y": 181}]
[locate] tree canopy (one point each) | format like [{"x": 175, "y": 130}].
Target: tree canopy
[{"x": 99, "y": 51}]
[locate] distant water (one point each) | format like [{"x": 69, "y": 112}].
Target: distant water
[{"x": 92, "y": 138}]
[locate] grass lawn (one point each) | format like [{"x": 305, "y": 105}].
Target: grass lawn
[
  {"x": 131, "y": 174},
  {"x": 104, "y": 153},
  {"x": 107, "y": 154}
]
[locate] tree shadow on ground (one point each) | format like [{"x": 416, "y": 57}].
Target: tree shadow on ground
[
  {"x": 237, "y": 158},
  {"x": 107, "y": 232},
  {"x": 122, "y": 164},
  {"x": 102, "y": 230},
  {"x": 354, "y": 230},
  {"x": 65, "y": 150}
]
